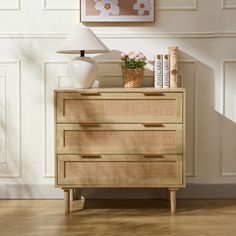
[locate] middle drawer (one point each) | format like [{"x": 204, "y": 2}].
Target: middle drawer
[{"x": 119, "y": 139}]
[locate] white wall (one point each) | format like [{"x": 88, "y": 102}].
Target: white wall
[{"x": 31, "y": 32}]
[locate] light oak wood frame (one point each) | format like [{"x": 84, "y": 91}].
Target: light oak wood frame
[{"x": 150, "y": 93}]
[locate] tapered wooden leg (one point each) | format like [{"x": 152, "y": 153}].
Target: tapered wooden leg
[
  {"x": 173, "y": 200},
  {"x": 72, "y": 194},
  {"x": 67, "y": 200}
]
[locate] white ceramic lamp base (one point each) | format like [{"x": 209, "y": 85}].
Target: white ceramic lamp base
[{"x": 83, "y": 72}]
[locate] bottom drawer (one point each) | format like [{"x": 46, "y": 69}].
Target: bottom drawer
[{"x": 119, "y": 170}]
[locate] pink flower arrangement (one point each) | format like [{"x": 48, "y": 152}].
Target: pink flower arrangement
[
  {"x": 123, "y": 55},
  {"x": 133, "y": 59}
]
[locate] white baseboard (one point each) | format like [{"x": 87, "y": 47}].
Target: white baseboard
[
  {"x": 28, "y": 191},
  {"x": 50, "y": 192}
]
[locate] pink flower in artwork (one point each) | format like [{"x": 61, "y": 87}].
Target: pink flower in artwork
[
  {"x": 141, "y": 6},
  {"x": 107, "y": 7}
]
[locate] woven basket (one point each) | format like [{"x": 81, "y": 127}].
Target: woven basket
[{"x": 132, "y": 78}]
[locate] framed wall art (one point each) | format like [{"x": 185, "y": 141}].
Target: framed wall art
[{"x": 117, "y": 10}]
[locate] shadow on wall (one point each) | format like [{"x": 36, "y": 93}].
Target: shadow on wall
[
  {"x": 206, "y": 121},
  {"x": 213, "y": 133},
  {"x": 31, "y": 67}
]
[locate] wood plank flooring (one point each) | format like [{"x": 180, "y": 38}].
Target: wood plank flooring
[{"x": 118, "y": 218}]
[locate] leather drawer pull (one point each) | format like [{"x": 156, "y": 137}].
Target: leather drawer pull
[
  {"x": 153, "y": 156},
  {"x": 90, "y": 125},
  {"x": 154, "y": 94},
  {"x": 153, "y": 125},
  {"x": 90, "y": 94},
  {"x": 90, "y": 156}
]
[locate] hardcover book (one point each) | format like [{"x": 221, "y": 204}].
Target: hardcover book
[
  {"x": 173, "y": 51},
  {"x": 166, "y": 71},
  {"x": 158, "y": 70},
  {"x": 180, "y": 81}
]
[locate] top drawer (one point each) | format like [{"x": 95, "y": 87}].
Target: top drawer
[{"x": 105, "y": 107}]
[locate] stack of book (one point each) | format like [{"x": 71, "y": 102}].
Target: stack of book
[{"x": 166, "y": 70}]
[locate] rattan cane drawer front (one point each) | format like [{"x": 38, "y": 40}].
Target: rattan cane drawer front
[
  {"x": 119, "y": 107},
  {"x": 119, "y": 139},
  {"x": 119, "y": 170}
]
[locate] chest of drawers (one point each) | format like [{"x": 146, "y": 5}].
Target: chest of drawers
[{"x": 120, "y": 138}]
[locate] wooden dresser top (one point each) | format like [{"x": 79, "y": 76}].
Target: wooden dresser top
[{"x": 121, "y": 90}]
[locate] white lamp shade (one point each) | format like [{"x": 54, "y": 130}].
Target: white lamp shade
[{"x": 82, "y": 39}]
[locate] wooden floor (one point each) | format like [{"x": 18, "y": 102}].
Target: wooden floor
[{"x": 118, "y": 217}]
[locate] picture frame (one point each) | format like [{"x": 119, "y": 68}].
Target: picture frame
[{"x": 117, "y": 11}]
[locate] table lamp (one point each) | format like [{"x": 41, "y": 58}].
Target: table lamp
[{"x": 82, "y": 69}]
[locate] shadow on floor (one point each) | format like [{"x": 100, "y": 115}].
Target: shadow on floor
[{"x": 189, "y": 206}]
